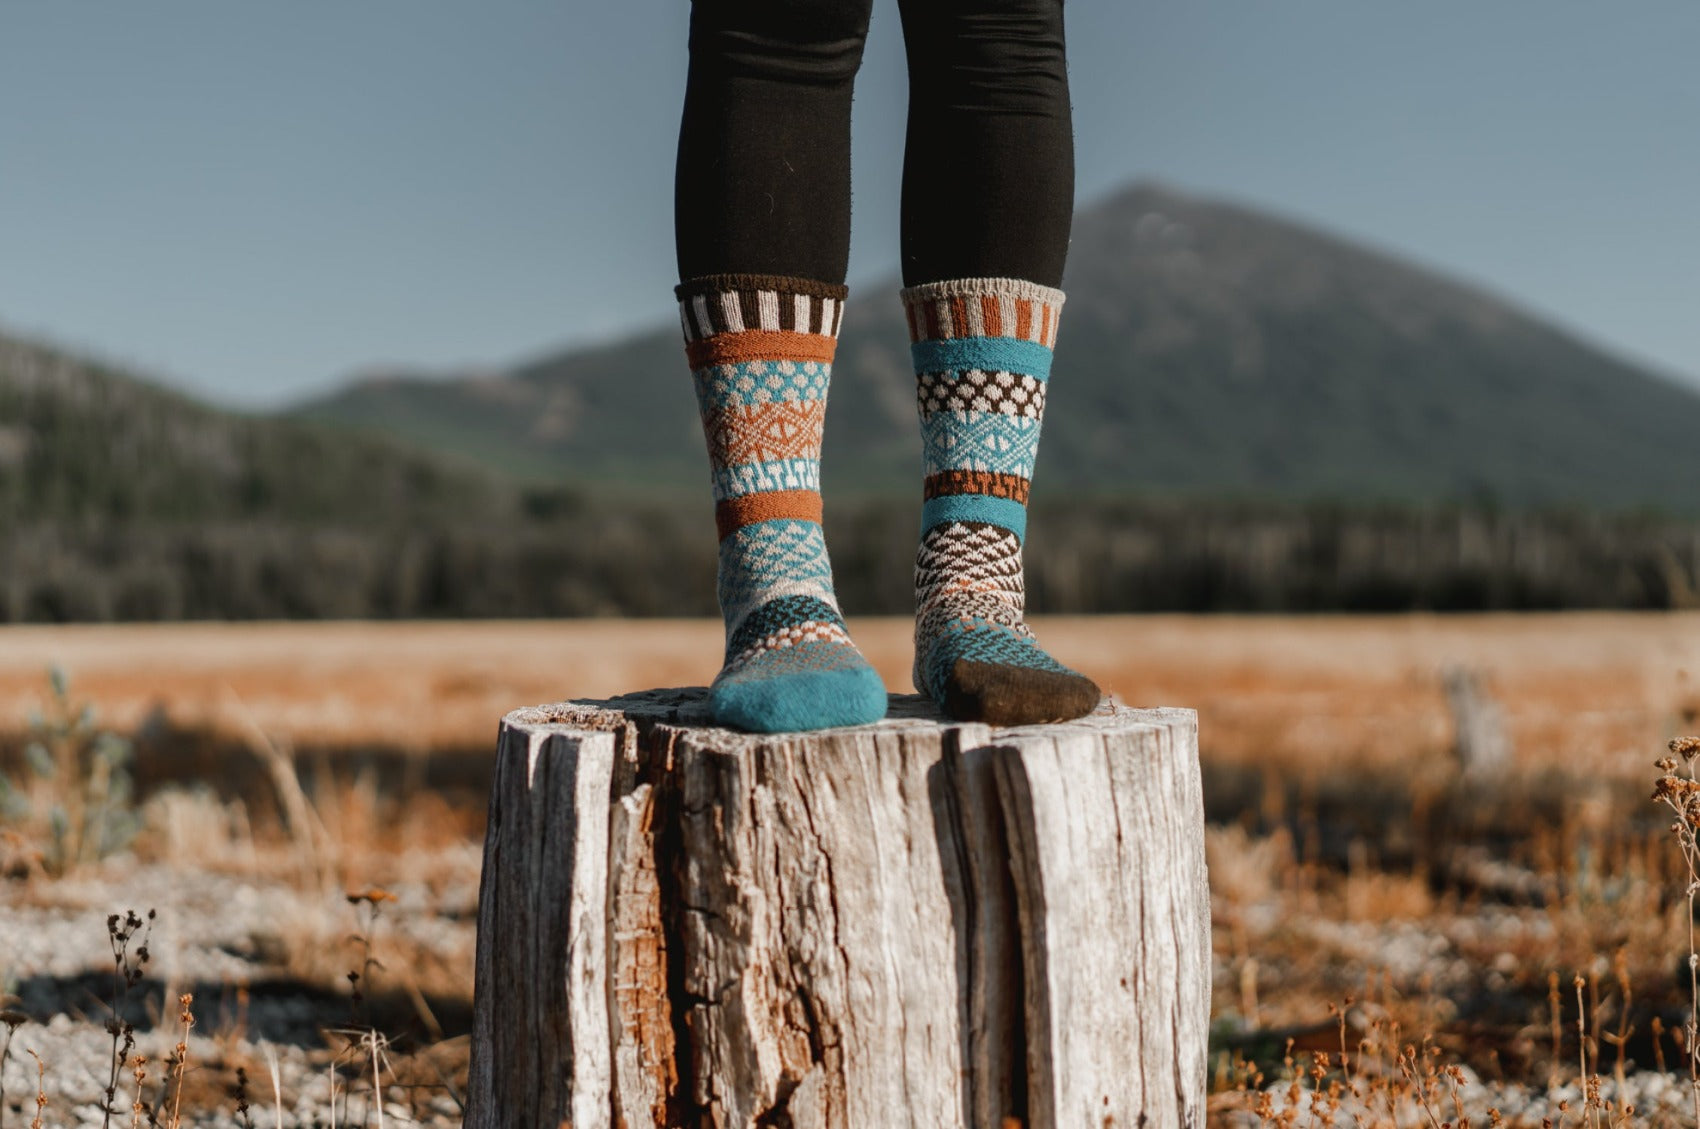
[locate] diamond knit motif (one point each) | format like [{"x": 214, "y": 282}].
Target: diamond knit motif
[
  {"x": 987, "y": 441},
  {"x": 761, "y": 355},
  {"x": 982, "y": 354},
  {"x": 761, "y": 562}
]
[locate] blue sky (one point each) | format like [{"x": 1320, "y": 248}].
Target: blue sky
[{"x": 255, "y": 201}]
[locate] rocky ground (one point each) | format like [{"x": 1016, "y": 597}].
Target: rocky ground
[{"x": 266, "y": 965}]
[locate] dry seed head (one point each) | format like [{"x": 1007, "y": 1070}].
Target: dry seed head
[
  {"x": 1686, "y": 747},
  {"x": 1675, "y": 789}
]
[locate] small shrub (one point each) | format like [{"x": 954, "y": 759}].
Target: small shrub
[{"x": 78, "y": 800}]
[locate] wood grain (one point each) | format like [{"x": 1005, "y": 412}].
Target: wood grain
[{"x": 914, "y": 923}]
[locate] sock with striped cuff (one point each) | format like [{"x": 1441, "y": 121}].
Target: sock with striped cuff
[
  {"x": 982, "y": 354},
  {"x": 760, "y": 351}
]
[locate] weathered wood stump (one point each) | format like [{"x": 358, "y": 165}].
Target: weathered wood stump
[{"x": 914, "y": 923}]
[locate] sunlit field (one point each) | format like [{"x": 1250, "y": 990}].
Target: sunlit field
[{"x": 300, "y": 806}]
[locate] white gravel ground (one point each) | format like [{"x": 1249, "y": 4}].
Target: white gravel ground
[{"x": 211, "y": 929}]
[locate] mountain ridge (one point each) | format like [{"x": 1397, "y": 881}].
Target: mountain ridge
[{"x": 1207, "y": 348}]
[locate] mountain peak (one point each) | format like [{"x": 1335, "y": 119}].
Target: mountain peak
[{"x": 1207, "y": 347}]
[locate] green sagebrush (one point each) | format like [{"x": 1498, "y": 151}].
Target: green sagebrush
[{"x": 78, "y": 798}]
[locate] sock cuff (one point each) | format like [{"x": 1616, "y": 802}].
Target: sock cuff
[
  {"x": 983, "y": 307},
  {"x": 966, "y": 287},
  {"x": 717, "y": 304}
]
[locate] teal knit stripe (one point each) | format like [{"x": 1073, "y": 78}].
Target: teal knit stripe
[
  {"x": 987, "y": 354},
  {"x": 761, "y": 382},
  {"x": 975, "y": 507}
]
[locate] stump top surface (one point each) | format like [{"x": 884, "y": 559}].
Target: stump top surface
[{"x": 686, "y": 707}]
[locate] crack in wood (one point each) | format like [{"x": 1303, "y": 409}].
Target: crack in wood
[{"x": 916, "y": 923}]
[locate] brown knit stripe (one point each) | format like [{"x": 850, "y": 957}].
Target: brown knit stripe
[
  {"x": 947, "y": 482},
  {"x": 759, "y": 345},
  {"x": 740, "y": 303},
  {"x": 720, "y": 283},
  {"x": 732, "y": 514}
]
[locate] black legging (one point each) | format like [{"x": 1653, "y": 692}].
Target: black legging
[{"x": 763, "y": 178}]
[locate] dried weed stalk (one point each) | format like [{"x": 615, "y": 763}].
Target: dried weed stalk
[{"x": 1682, "y": 795}]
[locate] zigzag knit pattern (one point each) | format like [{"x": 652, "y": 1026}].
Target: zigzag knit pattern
[
  {"x": 982, "y": 354},
  {"x": 760, "y": 351}
]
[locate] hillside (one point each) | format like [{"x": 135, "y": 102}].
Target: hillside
[
  {"x": 121, "y": 500},
  {"x": 81, "y": 442},
  {"x": 1207, "y": 348}
]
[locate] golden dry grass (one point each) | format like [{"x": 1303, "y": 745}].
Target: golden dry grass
[
  {"x": 1347, "y": 858},
  {"x": 1578, "y": 688}
]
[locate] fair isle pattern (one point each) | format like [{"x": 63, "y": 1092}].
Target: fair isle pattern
[
  {"x": 760, "y": 351},
  {"x": 756, "y": 478},
  {"x": 980, "y": 441},
  {"x": 763, "y": 562},
  {"x": 970, "y": 593},
  {"x": 720, "y": 304},
  {"x": 961, "y": 559},
  {"x": 762, "y": 382},
  {"x": 787, "y": 622},
  {"x": 981, "y": 350},
  {"x": 983, "y": 307},
  {"x": 1006, "y": 393}
]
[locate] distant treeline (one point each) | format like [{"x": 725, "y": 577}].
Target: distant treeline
[{"x": 564, "y": 557}]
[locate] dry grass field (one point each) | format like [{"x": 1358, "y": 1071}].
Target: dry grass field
[
  {"x": 308, "y": 808},
  {"x": 1579, "y": 689}
]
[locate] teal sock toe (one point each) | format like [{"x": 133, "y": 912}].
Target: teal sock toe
[
  {"x": 790, "y": 667},
  {"x": 788, "y": 700}
]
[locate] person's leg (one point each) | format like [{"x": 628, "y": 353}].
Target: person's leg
[
  {"x": 988, "y": 171},
  {"x": 988, "y": 197},
  {"x": 762, "y": 222}
]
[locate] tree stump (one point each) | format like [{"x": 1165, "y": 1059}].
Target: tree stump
[{"x": 914, "y": 923}]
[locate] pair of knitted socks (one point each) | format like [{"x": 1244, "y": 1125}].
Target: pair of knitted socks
[{"x": 760, "y": 350}]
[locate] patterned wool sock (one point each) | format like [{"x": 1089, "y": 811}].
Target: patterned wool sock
[
  {"x": 982, "y": 353},
  {"x": 760, "y": 351}
]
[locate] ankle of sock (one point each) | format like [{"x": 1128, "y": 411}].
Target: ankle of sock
[
  {"x": 982, "y": 356},
  {"x": 760, "y": 350}
]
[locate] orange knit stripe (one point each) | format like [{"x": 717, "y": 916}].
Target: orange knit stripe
[
  {"x": 1023, "y": 318},
  {"x": 991, "y": 313},
  {"x": 732, "y": 514},
  {"x": 760, "y": 345},
  {"x": 959, "y": 315}
]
